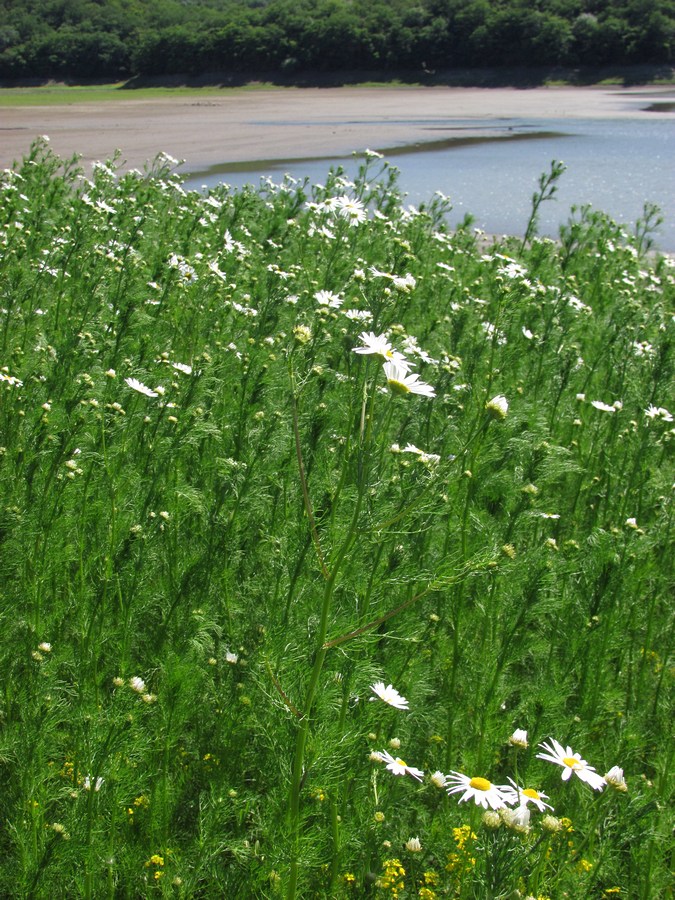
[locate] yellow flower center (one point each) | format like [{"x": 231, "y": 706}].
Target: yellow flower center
[
  {"x": 531, "y": 793},
  {"x": 401, "y": 762},
  {"x": 480, "y": 784},
  {"x": 571, "y": 761},
  {"x": 398, "y": 387}
]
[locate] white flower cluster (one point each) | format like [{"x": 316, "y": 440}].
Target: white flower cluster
[
  {"x": 658, "y": 412},
  {"x": 345, "y": 207},
  {"x": 511, "y": 800},
  {"x": 396, "y": 366}
]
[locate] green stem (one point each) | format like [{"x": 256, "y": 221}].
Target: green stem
[{"x": 297, "y": 778}]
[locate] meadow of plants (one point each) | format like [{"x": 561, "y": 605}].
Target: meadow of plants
[{"x": 336, "y": 546}]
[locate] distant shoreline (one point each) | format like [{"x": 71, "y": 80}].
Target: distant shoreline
[
  {"x": 492, "y": 77},
  {"x": 229, "y": 126}
]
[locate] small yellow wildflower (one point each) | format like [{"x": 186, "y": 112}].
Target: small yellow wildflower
[
  {"x": 461, "y": 861},
  {"x": 462, "y": 835},
  {"x": 392, "y": 879}
]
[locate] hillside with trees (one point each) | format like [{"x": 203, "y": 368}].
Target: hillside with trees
[{"x": 120, "y": 39}]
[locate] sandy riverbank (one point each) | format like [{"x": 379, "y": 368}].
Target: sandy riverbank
[{"x": 296, "y": 123}]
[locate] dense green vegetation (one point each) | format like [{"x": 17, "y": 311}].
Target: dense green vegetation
[
  {"x": 119, "y": 38},
  {"x": 233, "y": 512}
]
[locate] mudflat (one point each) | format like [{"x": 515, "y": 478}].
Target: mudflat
[{"x": 299, "y": 123}]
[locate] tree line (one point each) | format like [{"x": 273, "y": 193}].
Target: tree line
[{"x": 118, "y": 39}]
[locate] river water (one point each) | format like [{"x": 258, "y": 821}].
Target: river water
[{"x": 615, "y": 165}]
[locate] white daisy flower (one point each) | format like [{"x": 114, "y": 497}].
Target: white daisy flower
[
  {"x": 615, "y": 779},
  {"x": 603, "y": 407},
  {"x": 11, "y": 380},
  {"x": 378, "y": 345},
  {"x": 141, "y": 388},
  {"x": 658, "y": 412},
  {"x": 483, "y": 792},
  {"x": 421, "y": 454},
  {"x": 401, "y": 382},
  {"x": 352, "y": 210},
  {"x": 524, "y": 796},
  {"x": 498, "y": 406},
  {"x": 571, "y": 763},
  {"x": 329, "y": 299},
  {"x": 404, "y": 283},
  {"x": 411, "y": 346},
  {"x": 182, "y": 367},
  {"x": 519, "y": 738},
  {"x": 213, "y": 266},
  {"x": 398, "y": 766},
  {"x": 358, "y": 315},
  {"x": 330, "y": 204},
  {"x": 389, "y": 695}
]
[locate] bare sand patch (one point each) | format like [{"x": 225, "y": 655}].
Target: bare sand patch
[{"x": 298, "y": 123}]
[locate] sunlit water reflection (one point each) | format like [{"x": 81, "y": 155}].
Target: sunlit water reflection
[{"x": 615, "y": 165}]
